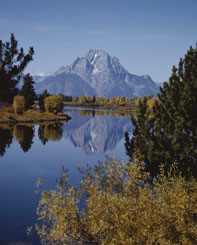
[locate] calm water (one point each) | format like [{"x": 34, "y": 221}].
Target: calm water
[{"x": 29, "y": 152}]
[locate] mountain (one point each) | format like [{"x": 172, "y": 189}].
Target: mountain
[
  {"x": 65, "y": 83},
  {"x": 97, "y": 73},
  {"x": 38, "y": 79}
]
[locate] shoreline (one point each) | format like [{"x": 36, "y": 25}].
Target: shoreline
[
  {"x": 117, "y": 108},
  {"x": 8, "y": 116}
]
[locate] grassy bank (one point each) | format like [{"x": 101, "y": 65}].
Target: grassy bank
[
  {"x": 115, "y": 103},
  {"x": 125, "y": 108},
  {"x": 7, "y": 115}
]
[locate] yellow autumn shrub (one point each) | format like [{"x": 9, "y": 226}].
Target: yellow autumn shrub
[
  {"x": 121, "y": 207},
  {"x": 53, "y": 103},
  {"x": 19, "y": 104}
]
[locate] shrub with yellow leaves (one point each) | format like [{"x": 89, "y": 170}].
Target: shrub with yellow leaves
[
  {"x": 19, "y": 104},
  {"x": 53, "y": 103},
  {"x": 121, "y": 207}
]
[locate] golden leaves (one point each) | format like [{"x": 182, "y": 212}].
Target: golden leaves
[{"x": 121, "y": 207}]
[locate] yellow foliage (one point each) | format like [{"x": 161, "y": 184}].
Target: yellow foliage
[
  {"x": 53, "y": 103},
  {"x": 86, "y": 100},
  {"x": 19, "y": 104},
  {"x": 102, "y": 100},
  {"x": 74, "y": 99},
  {"x": 122, "y": 207},
  {"x": 150, "y": 101},
  {"x": 82, "y": 100}
]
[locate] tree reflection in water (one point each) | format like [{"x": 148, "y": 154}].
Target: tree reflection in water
[
  {"x": 51, "y": 131},
  {"x": 5, "y": 139},
  {"x": 94, "y": 131},
  {"x": 41, "y": 134},
  {"x": 24, "y": 135}
]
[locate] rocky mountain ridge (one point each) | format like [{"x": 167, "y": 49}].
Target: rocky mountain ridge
[{"x": 99, "y": 74}]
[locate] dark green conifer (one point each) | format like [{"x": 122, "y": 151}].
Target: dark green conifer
[
  {"x": 28, "y": 91},
  {"x": 41, "y": 99},
  {"x": 169, "y": 134},
  {"x": 12, "y": 63}
]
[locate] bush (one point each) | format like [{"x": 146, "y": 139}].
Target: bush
[
  {"x": 82, "y": 100},
  {"x": 19, "y": 104},
  {"x": 102, "y": 100},
  {"x": 74, "y": 99},
  {"x": 121, "y": 208},
  {"x": 53, "y": 103}
]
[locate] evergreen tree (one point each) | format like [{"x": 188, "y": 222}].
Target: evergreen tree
[
  {"x": 168, "y": 134},
  {"x": 27, "y": 91},
  {"x": 41, "y": 99},
  {"x": 12, "y": 63}
]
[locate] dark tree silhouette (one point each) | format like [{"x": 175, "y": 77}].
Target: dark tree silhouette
[
  {"x": 12, "y": 63},
  {"x": 5, "y": 140},
  {"x": 41, "y": 134},
  {"x": 41, "y": 99},
  {"x": 24, "y": 135},
  {"x": 169, "y": 134},
  {"x": 28, "y": 91}
]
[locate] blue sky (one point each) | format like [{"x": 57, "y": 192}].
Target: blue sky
[{"x": 148, "y": 36}]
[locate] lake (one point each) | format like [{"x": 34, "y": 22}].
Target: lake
[{"x": 28, "y": 152}]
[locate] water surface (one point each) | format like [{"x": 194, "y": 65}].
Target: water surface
[{"x": 31, "y": 151}]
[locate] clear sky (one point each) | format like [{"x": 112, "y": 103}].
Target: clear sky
[{"x": 148, "y": 36}]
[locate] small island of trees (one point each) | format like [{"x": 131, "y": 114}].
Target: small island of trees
[{"x": 13, "y": 62}]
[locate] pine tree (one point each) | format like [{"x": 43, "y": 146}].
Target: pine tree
[
  {"x": 169, "y": 134},
  {"x": 27, "y": 91},
  {"x": 41, "y": 99},
  {"x": 12, "y": 63}
]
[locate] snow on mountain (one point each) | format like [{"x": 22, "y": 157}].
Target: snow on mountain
[{"x": 97, "y": 73}]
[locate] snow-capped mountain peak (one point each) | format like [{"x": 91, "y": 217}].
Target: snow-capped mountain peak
[{"x": 103, "y": 76}]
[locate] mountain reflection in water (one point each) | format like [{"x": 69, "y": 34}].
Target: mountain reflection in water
[{"x": 94, "y": 131}]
